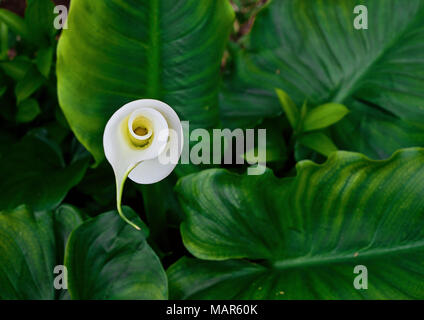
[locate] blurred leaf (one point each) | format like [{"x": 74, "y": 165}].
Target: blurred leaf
[
  {"x": 174, "y": 57},
  {"x": 376, "y": 73},
  {"x": 289, "y": 108},
  {"x": 4, "y": 40},
  {"x": 14, "y": 22},
  {"x": 44, "y": 60},
  {"x": 28, "y": 110},
  {"x": 56, "y": 132},
  {"x": 108, "y": 259},
  {"x": 306, "y": 234},
  {"x": 324, "y": 116},
  {"x": 30, "y": 83},
  {"x": 60, "y": 118},
  {"x": 39, "y": 17},
  {"x": 304, "y": 153},
  {"x": 318, "y": 142},
  {"x": 33, "y": 172},
  {"x": 17, "y": 68},
  {"x": 78, "y": 152},
  {"x": 2, "y": 90}
]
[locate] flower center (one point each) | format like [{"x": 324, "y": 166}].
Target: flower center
[{"x": 141, "y": 131}]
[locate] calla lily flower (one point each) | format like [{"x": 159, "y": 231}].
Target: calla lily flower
[{"x": 143, "y": 140}]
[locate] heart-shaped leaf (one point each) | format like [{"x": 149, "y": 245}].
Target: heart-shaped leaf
[
  {"x": 311, "y": 50},
  {"x": 108, "y": 259},
  {"x": 115, "y": 52},
  {"x": 305, "y": 235}
]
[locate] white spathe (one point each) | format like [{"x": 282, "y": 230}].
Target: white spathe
[
  {"x": 146, "y": 156},
  {"x": 123, "y": 156}
]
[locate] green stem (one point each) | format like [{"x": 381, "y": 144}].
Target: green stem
[{"x": 119, "y": 191}]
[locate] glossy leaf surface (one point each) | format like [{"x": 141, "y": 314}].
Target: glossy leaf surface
[
  {"x": 304, "y": 235},
  {"x": 164, "y": 49}
]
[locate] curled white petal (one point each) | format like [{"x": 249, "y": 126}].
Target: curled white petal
[{"x": 143, "y": 140}]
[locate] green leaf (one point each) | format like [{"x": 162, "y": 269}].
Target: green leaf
[
  {"x": 376, "y": 73},
  {"x": 30, "y": 83},
  {"x": 14, "y": 22},
  {"x": 243, "y": 105},
  {"x": 33, "y": 172},
  {"x": 174, "y": 57},
  {"x": 324, "y": 116},
  {"x": 31, "y": 245},
  {"x": 108, "y": 259},
  {"x": 4, "y": 40},
  {"x": 289, "y": 108},
  {"x": 318, "y": 142},
  {"x": 39, "y": 17},
  {"x": 28, "y": 110},
  {"x": 44, "y": 60},
  {"x": 66, "y": 218},
  {"x": 304, "y": 235},
  {"x": 27, "y": 255},
  {"x": 17, "y": 68}
]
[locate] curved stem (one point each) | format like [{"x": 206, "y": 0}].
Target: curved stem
[{"x": 119, "y": 190}]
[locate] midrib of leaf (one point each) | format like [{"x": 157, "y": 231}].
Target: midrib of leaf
[
  {"x": 347, "y": 91},
  {"x": 153, "y": 56},
  {"x": 306, "y": 261}
]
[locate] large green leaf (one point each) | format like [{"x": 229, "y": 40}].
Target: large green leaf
[
  {"x": 111, "y": 260},
  {"x": 304, "y": 235},
  {"x": 117, "y": 51},
  {"x": 33, "y": 172},
  {"x": 31, "y": 245},
  {"x": 311, "y": 50},
  {"x": 108, "y": 259}
]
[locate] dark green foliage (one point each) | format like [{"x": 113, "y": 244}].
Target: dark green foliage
[{"x": 344, "y": 184}]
